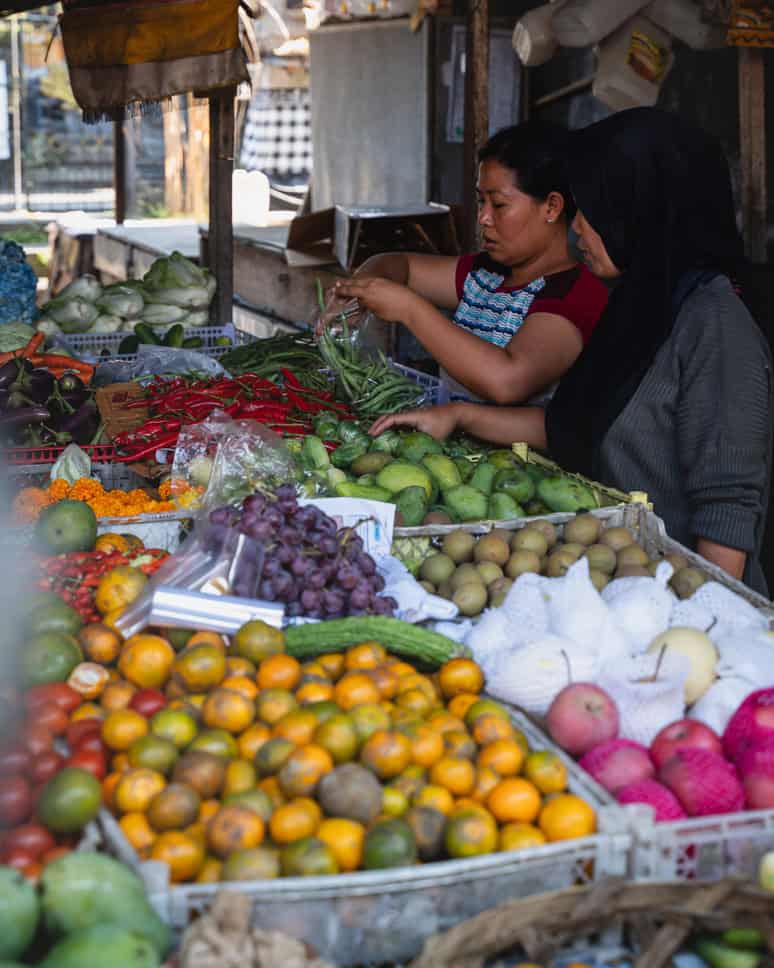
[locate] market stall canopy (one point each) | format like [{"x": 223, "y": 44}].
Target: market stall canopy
[{"x": 143, "y": 51}]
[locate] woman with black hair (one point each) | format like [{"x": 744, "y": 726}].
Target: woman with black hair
[
  {"x": 524, "y": 308},
  {"x": 673, "y": 394}
]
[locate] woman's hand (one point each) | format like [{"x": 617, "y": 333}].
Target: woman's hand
[
  {"x": 388, "y": 300},
  {"x": 439, "y": 422}
]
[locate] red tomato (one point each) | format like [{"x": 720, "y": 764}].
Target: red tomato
[
  {"x": 83, "y": 727},
  {"x": 13, "y": 761},
  {"x": 55, "y": 852},
  {"x": 53, "y": 718},
  {"x": 15, "y": 801},
  {"x": 147, "y": 702},
  {"x": 30, "y": 837},
  {"x": 91, "y": 741},
  {"x": 43, "y": 767},
  {"x": 94, "y": 761},
  {"x": 18, "y": 858},
  {"x": 37, "y": 739},
  {"x": 58, "y": 693}
]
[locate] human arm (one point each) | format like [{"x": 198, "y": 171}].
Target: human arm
[
  {"x": 723, "y": 425},
  {"x": 498, "y": 425}
]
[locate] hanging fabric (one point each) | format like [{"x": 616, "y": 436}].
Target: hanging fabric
[{"x": 126, "y": 55}]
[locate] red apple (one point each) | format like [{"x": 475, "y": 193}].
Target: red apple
[
  {"x": 685, "y": 734},
  {"x": 581, "y": 717}
]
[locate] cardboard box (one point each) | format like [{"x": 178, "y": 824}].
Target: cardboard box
[{"x": 350, "y": 235}]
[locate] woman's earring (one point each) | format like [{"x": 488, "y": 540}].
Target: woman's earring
[{"x": 550, "y": 221}]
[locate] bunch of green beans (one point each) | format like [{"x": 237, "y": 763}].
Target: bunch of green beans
[{"x": 267, "y": 357}]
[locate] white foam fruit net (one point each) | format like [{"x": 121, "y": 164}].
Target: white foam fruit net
[{"x": 646, "y": 706}]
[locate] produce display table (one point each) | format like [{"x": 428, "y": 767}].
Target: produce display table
[{"x": 127, "y": 251}]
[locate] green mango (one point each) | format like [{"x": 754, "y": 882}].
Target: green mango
[
  {"x": 465, "y": 468},
  {"x": 719, "y": 955},
  {"x": 564, "y": 494},
  {"x": 365, "y": 479},
  {"x": 743, "y": 938},
  {"x": 416, "y": 445},
  {"x": 348, "y": 453},
  {"x": 399, "y": 474},
  {"x": 535, "y": 471},
  {"x": 411, "y": 503},
  {"x": 387, "y": 443},
  {"x": 442, "y": 470},
  {"x": 534, "y": 508},
  {"x": 502, "y": 507},
  {"x": 465, "y": 503},
  {"x": 501, "y": 458},
  {"x": 367, "y": 492},
  {"x": 515, "y": 482},
  {"x": 101, "y": 945},
  {"x": 483, "y": 477},
  {"x": 19, "y": 913},
  {"x": 314, "y": 454},
  {"x": 370, "y": 463}
]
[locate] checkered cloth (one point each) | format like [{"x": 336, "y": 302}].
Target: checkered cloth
[{"x": 277, "y": 138}]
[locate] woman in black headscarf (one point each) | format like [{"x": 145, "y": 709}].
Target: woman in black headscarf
[{"x": 673, "y": 394}]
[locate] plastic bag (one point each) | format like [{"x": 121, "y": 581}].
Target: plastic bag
[
  {"x": 72, "y": 464},
  {"x": 154, "y": 361},
  {"x": 220, "y": 461},
  {"x": 633, "y": 64},
  {"x": 721, "y": 701},
  {"x": 646, "y": 706}
]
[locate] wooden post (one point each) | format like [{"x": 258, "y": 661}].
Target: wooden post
[
  {"x": 221, "y": 233},
  {"x": 119, "y": 170},
  {"x": 174, "y": 200},
  {"x": 196, "y": 154},
  {"x": 476, "y": 107},
  {"x": 752, "y": 151}
]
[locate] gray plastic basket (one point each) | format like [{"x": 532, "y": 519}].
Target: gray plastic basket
[{"x": 92, "y": 345}]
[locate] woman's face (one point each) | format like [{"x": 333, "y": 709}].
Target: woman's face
[
  {"x": 515, "y": 227},
  {"x": 593, "y": 248}
]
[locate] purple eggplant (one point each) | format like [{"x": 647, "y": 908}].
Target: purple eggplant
[
  {"x": 81, "y": 425},
  {"x": 12, "y": 371},
  {"x": 69, "y": 383},
  {"x": 17, "y": 400},
  {"x": 14, "y": 420},
  {"x": 37, "y": 385}
]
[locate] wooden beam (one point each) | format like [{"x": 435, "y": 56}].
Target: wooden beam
[
  {"x": 752, "y": 151},
  {"x": 119, "y": 170},
  {"x": 221, "y": 233},
  {"x": 476, "y": 107}
]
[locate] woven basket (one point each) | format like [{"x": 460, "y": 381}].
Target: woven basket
[{"x": 658, "y": 919}]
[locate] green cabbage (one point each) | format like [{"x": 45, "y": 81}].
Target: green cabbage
[
  {"x": 190, "y": 297},
  {"x": 47, "y": 327},
  {"x": 174, "y": 272},
  {"x": 162, "y": 315},
  {"x": 85, "y": 287},
  {"x": 108, "y": 324},
  {"x": 121, "y": 300},
  {"x": 198, "y": 317},
  {"x": 71, "y": 314},
  {"x": 15, "y": 335}
]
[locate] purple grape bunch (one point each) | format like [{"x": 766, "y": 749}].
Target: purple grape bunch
[{"x": 308, "y": 564}]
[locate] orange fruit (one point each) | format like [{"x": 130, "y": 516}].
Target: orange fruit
[
  {"x": 345, "y": 839},
  {"x": 486, "y": 780},
  {"x": 435, "y": 796},
  {"x": 332, "y": 664},
  {"x": 385, "y": 681},
  {"x": 312, "y": 692},
  {"x": 256, "y": 640},
  {"x": 109, "y": 785},
  {"x": 458, "y": 676},
  {"x": 489, "y": 727},
  {"x": 455, "y": 774},
  {"x": 116, "y": 695},
  {"x": 199, "y": 668},
  {"x": 302, "y": 770},
  {"x": 400, "y": 667},
  {"x": 110, "y": 618},
  {"x": 386, "y": 753},
  {"x": 207, "y": 810},
  {"x": 209, "y": 638},
  {"x": 426, "y": 746},
  {"x": 459, "y": 743},
  {"x": 210, "y": 871},
  {"x": 291, "y": 821},
  {"x": 314, "y": 670},
  {"x": 420, "y": 682},
  {"x": 118, "y": 588},
  {"x": 505, "y": 756},
  {"x": 87, "y": 710},
  {"x": 99, "y": 643},
  {"x": 470, "y": 832},
  {"x": 120, "y": 763},
  {"x": 136, "y": 789},
  {"x": 354, "y": 689},
  {"x": 219, "y": 742},
  {"x": 279, "y": 672},
  {"x": 177, "y": 807},
  {"x": 240, "y": 776},
  {"x": 146, "y": 660},
  {"x": 237, "y": 666},
  {"x": 404, "y": 720},
  {"x": 234, "y": 828},
  {"x": 229, "y": 710},
  {"x": 483, "y": 707},
  {"x": 547, "y": 771},
  {"x": 461, "y": 703},
  {"x": 298, "y": 726},
  {"x": 244, "y": 685},
  {"x": 311, "y": 806},
  {"x": 137, "y": 830},
  {"x": 122, "y": 727},
  {"x": 367, "y": 655},
  {"x": 520, "y": 836},
  {"x": 411, "y": 780},
  {"x": 394, "y": 801},
  {"x": 367, "y": 718},
  {"x": 514, "y": 799},
  {"x": 111, "y": 542},
  {"x": 252, "y": 740},
  {"x": 444, "y": 722},
  {"x": 272, "y": 755},
  {"x": 566, "y": 817},
  {"x": 415, "y": 700},
  {"x": 337, "y": 735},
  {"x": 89, "y": 679},
  {"x": 183, "y": 854},
  {"x": 272, "y": 704},
  {"x": 176, "y": 725}
]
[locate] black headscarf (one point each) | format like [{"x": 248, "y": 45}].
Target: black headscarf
[{"x": 658, "y": 192}]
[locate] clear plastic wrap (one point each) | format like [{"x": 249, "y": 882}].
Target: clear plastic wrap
[{"x": 155, "y": 361}]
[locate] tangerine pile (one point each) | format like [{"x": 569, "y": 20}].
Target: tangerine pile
[{"x": 242, "y": 763}]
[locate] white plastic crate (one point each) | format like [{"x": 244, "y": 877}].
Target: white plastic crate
[
  {"x": 430, "y": 384},
  {"x": 385, "y": 916},
  {"x": 93, "y": 345},
  {"x": 702, "y": 848}
]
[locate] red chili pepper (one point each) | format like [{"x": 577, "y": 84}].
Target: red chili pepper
[{"x": 160, "y": 443}]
